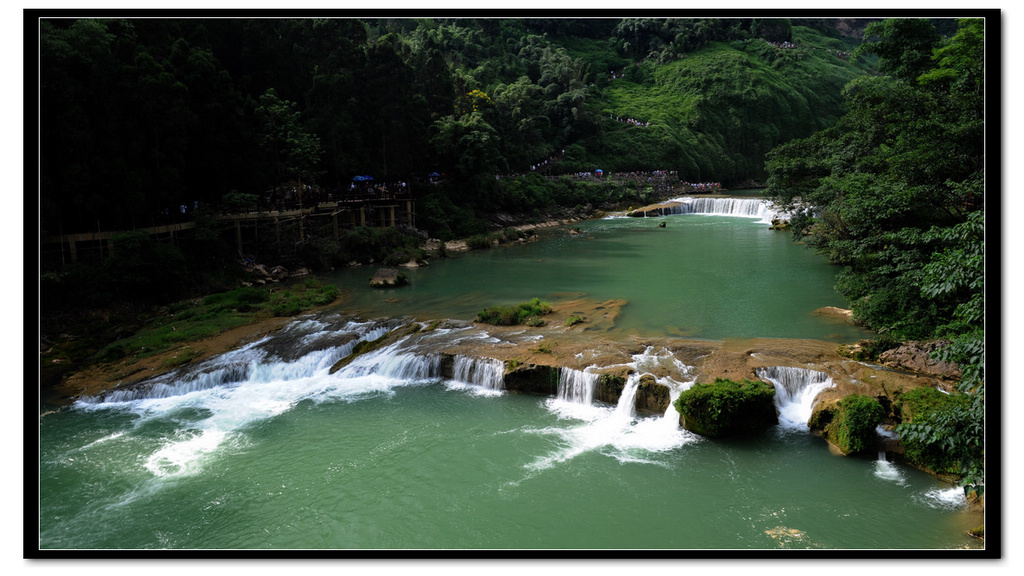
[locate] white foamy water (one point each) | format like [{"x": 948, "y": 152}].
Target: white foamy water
[
  {"x": 760, "y": 209},
  {"x": 795, "y": 393},
  {"x": 616, "y": 430},
  {"x": 888, "y": 471},
  {"x": 212, "y": 408},
  {"x": 942, "y": 498}
]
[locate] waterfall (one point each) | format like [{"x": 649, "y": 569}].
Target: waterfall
[
  {"x": 795, "y": 391},
  {"x": 486, "y": 373},
  {"x": 308, "y": 354},
  {"x": 740, "y": 207},
  {"x": 576, "y": 386},
  {"x": 626, "y": 408},
  {"x": 389, "y": 363},
  {"x": 411, "y": 367},
  {"x": 888, "y": 471}
]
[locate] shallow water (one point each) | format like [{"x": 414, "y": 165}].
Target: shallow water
[{"x": 702, "y": 276}]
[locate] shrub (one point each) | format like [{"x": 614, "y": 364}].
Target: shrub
[
  {"x": 573, "y": 320},
  {"x": 923, "y": 406},
  {"x": 534, "y": 321},
  {"x": 514, "y": 315},
  {"x": 479, "y": 242},
  {"x": 727, "y": 407},
  {"x": 853, "y": 426}
]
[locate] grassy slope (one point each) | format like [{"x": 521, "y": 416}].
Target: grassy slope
[{"x": 714, "y": 113}]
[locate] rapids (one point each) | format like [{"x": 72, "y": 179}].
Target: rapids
[{"x": 423, "y": 441}]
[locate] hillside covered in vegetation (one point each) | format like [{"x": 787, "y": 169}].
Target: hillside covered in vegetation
[{"x": 140, "y": 116}]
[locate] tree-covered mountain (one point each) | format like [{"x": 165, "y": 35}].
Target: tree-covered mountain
[{"x": 138, "y": 116}]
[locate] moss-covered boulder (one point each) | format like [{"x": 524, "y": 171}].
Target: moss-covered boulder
[
  {"x": 531, "y": 379},
  {"x": 727, "y": 408},
  {"x": 850, "y": 424},
  {"x": 609, "y": 388},
  {"x": 651, "y": 398}
]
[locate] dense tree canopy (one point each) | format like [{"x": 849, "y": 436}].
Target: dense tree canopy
[
  {"x": 138, "y": 116},
  {"x": 895, "y": 194}
]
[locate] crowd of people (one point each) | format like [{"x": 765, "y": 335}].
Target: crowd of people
[
  {"x": 786, "y": 45},
  {"x": 704, "y": 186},
  {"x": 629, "y": 121}
]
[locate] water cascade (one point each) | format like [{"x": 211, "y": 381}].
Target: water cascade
[
  {"x": 486, "y": 373},
  {"x": 886, "y": 470},
  {"x": 576, "y": 386},
  {"x": 795, "y": 391},
  {"x": 393, "y": 363},
  {"x": 626, "y": 408},
  {"x": 303, "y": 349},
  {"x": 740, "y": 207}
]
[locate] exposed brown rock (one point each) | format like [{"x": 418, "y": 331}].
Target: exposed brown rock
[{"x": 917, "y": 357}]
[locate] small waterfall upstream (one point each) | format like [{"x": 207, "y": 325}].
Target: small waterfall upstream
[
  {"x": 740, "y": 207},
  {"x": 795, "y": 392}
]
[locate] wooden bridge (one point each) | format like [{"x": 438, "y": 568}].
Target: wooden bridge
[{"x": 376, "y": 210}]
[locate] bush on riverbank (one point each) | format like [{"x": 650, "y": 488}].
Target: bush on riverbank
[
  {"x": 923, "y": 406},
  {"x": 850, "y": 424},
  {"x": 523, "y": 313},
  {"x": 727, "y": 408}
]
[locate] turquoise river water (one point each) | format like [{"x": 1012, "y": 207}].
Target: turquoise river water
[{"x": 264, "y": 449}]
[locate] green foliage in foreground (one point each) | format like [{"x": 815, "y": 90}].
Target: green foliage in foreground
[
  {"x": 524, "y": 313},
  {"x": 727, "y": 407},
  {"x": 928, "y": 410}
]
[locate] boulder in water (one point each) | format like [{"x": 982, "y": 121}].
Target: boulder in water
[
  {"x": 531, "y": 379},
  {"x": 388, "y": 278},
  {"x": 727, "y": 408},
  {"x": 651, "y": 398},
  {"x": 609, "y": 388}
]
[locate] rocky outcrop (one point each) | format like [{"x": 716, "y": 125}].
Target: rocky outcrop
[
  {"x": 609, "y": 388},
  {"x": 917, "y": 357},
  {"x": 655, "y": 210},
  {"x": 842, "y": 314},
  {"x": 388, "y": 278},
  {"x": 651, "y": 398},
  {"x": 532, "y": 379}
]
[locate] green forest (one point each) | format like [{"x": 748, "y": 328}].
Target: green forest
[
  {"x": 143, "y": 115},
  {"x": 147, "y": 122},
  {"x": 872, "y": 130}
]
